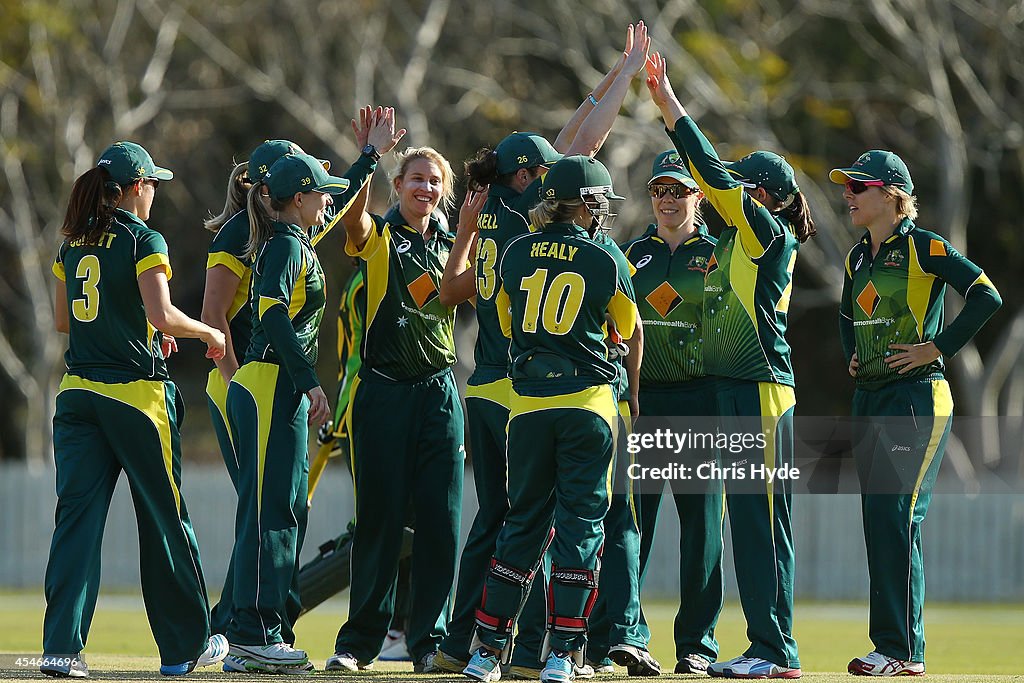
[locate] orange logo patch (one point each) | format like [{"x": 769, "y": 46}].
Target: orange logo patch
[
  {"x": 712, "y": 264},
  {"x": 422, "y": 290},
  {"x": 937, "y": 248},
  {"x": 868, "y": 299},
  {"x": 664, "y": 299}
]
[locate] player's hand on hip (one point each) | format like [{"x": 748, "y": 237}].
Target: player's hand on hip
[
  {"x": 318, "y": 407},
  {"x": 854, "y": 364},
  {"x": 912, "y": 356}
]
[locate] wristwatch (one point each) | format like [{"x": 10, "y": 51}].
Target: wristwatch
[{"x": 371, "y": 152}]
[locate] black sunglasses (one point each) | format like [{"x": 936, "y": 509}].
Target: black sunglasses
[
  {"x": 658, "y": 190},
  {"x": 859, "y": 186}
]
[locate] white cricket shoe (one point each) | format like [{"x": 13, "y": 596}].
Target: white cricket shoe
[
  {"x": 877, "y": 664},
  {"x": 751, "y": 667}
]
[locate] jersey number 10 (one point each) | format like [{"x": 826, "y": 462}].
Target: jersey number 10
[{"x": 557, "y": 305}]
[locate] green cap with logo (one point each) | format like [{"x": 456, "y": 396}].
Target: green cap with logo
[
  {"x": 876, "y": 165},
  {"x": 128, "y": 162},
  {"x": 264, "y": 156},
  {"x": 294, "y": 173},
  {"x": 669, "y": 164},
  {"x": 767, "y": 170},
  {"x": 577, "y": 176},
  {"x": 524, "y": 150}
]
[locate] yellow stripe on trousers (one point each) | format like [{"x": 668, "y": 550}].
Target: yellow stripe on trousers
[
  {"x": 260, "y": 381},
  {"x": 146, "y": 396}
]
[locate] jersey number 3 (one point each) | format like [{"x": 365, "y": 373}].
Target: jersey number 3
[
  {"x": 561, "y": 301},
  {"x": 88, "y": 307}
]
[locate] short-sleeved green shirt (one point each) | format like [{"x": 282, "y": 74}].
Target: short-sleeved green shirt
[
  {"x": 896, "y": 298},
  {"x": 670, "y": 296},
  {"x": 749, "y": 280},
  {"x": 505, "y": 215},
  {"x": 110, "y": 337},
  {"x": 287, "y": 277},
  {"x": 556, "y": 288},
  {"x": 409, "y": 333}
]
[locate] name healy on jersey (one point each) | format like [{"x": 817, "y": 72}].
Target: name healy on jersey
[{"x": 558, "y": 250}]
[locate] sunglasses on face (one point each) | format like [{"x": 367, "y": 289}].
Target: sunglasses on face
[
  {"x": 858, "y": 186},
  {"x": 680, "y": 191}
]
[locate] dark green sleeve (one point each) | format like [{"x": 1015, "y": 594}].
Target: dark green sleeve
[
  {"x": 846, "y": 312},
  {"x": 282, "y": 262},
  {"x": 981, "y": 299},
  {"x": 357, "y": 175}
]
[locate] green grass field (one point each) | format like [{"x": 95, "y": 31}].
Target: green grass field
[{"x": 965, "y": 642}]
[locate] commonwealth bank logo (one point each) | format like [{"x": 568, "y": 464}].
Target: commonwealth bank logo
[
  {"x": 664, "y": 299},
  {"x": 868, "y": 299}
]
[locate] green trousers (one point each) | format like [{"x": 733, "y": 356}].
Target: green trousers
[
  {"x": 560, "y": 454},
  {"x": 617, "y": 618},
  {"x": 701, "y": 517},
  {"x": 100, "y": 429},
  {"x": 407, "y": 441},
  {"x": 759, "y": 515},
  {"x": 486, "y": 422},
  {"x": 897, "y": 462},
  {"x": 268, "y": 421},
  {"x": 221, "y": 614}
]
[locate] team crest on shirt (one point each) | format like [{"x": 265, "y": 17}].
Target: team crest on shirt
[
  {"x": 664, "y": 299},
  {"x": 868, "y": 299},
  {"x": 895, "y": 258},
  {"x": 422, "y": 290},
  {"x": 698, "y": 263}
]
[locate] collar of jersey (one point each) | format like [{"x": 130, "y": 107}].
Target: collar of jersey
[
  {"x": 394, "y": 217},
  {"x": 281, "y": 227},
  {"x": 565, "y": 229},
  {"x": 128, "y": 217},
  {"x": 702, "y": 232},
  {"x": 503, "y": 191},
  {"x": 901, "y": 230}
]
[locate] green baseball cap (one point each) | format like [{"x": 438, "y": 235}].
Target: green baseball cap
[
  {"x": 669, "y": 164},
  {"x": 767, "y": 170},
  {"x": 264, "y": 156},
  {"x": 575, "y": 176},
  {"x": 301, "y": 173},
  {"x": 128, "y": 162},
  {"x": 876, "y": 165},
  {"x": 524, "y": 150}
]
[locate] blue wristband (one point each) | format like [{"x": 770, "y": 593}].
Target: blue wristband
[{"x": 593, "y": 100}]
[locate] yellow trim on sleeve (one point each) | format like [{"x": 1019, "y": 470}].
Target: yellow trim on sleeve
[
  {"x": 373, "y": 243},
  {"x": 504, "y": 308},
  {"x": 298, "y": 298},
  {"x": 729, "y": 204},
  {"x": 150, "y": 399},
  {"x": 983, "y": 281},
  {"x": 623, "y": 311},
  {"x": 58, "y": 270},
  {"x": 229, "y": 261},
  {"x": 152, "y": 261},
  {"x": 266, "y": 303},
  {"x": 377, "y": 273},
  {"x": 497, "y": 391}
]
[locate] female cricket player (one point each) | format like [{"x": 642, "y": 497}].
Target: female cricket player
[
  {"x": 747, "y": 290},
  {"x": 895, "y": 341},
  {"x": 271, "y": 398},
  {"x": 510, "y": 177},
  {"x": 670, "y": 260},
  {"x": 117, "y": 409},
  {"x": 406, "y": 405},
  {"x": 555, "y": 288}
]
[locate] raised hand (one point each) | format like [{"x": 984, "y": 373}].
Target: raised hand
[
  {"x": 470, "y": 211},
  {"x": 382, "y": 133},
  {"x": 362, "y": 127},
  {"x": 657, "y": 80},
  {"x": 638, "y": 44}
]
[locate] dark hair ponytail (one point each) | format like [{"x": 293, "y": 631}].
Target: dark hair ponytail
[
  {"x": 482, "y": 169},
  {"x": 798, "y": 213},
  {"x": 94, "y": 197}
]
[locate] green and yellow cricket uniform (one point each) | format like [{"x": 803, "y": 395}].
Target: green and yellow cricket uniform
[
  {"x": 118, "y": 410},
  {"x": 669, "y": 287},
  {"x": 267, "y": 411},
  {"x": 407, "y": 439},
  {"x": 504, "y": 216},
  {"x": 896, "y": 297},
  {"x": 747, "y": 291},
  {"x": 351, "y": 321},
  {"x": 228, "y": 249},
  {"x": 556, "y": 288}
]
